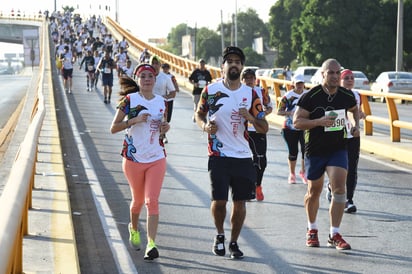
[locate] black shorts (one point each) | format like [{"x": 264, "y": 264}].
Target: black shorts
[
  {"x": 237, "y": 174},
  {"x": 67, "y": 73}
]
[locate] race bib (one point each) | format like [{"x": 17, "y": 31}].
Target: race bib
[
  {"x": 202, "y": 83},
  {"x": 340, "y": 120},
  {"x": 90, "y": 68},
  {"x": 107, "y": 70}
]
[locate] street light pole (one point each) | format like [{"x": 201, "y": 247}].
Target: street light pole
[
  {"x": 221, "y": 30},
  {"x": 399, "y": 39},
  {"x": 236, "y": 23}
]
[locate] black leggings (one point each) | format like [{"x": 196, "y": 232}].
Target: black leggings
[
  {"x": 169, "y": 111},
  {"x": 258, "y": 145},
  {"x": 353, "y": 160},
  {"x": 293, "y": 138}
]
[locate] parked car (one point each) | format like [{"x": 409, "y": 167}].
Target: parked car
[
  {"x": 277, "y": 73},
  {"x": 393, "y": 82},
  {"x": 262, "y": 72},
  {"x": 316, "y": 79},
  {"x": 307, "y": 72},
  {"x": 361, "y": 80}
]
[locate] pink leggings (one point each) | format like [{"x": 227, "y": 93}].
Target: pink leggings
[{"x": 145, "y": 181}]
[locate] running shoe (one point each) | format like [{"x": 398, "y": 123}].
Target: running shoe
[
  {"x": 292, "y": 179},
  {"x": 338, "y": 242},
  {"x": 134, "y": 238},
  {"x": 312, "y": 238},
  {"x": 151, "y": 251},
  {"x": 303, "y": 177},
  {"x": 259, "y": 193},
  {"x": 235, "y": 252},
  {"x": 219, "y": 245},
  {"x": 328, "y": 193},
  {"x": 350, "y": 207}
]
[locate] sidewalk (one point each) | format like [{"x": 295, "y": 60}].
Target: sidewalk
[{"x": 50, "y": 246}]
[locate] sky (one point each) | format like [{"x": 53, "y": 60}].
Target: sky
[{"x": 154, "y": 19}]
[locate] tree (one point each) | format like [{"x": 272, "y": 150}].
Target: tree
[
  {"x": 208, "y": 44},
  {"x": 285, "y": 16},
  {"x": 174, "y": 38},
  {"x": 253, "y": 58},
  {"x": 67, "y": 9},
  {"x": 359, "y": 34},
  {"x": 249, "y": 27}
]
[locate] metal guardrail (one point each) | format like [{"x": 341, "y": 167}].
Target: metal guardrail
[
  {"x": 392, "y": 120},
  {"x": 16, "y": 197}
]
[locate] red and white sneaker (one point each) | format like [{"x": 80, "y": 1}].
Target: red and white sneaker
[
  {"x": 312, "y": 238},
  {"x": 338, "y": 242}
]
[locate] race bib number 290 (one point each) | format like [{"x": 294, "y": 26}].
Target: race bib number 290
[{"x": 339, "y": 122}]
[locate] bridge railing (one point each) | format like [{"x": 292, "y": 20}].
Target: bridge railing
[
  {"x": 184, "y": 67},
  {"x": 16, "y": 198},
  {"x": 24, "y": 17}
]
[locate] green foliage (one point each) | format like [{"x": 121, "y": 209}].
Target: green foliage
[
  {"x": 175, "y": 38},
  {"x": 360, "y": 34},
  {"x": 249, "y": 27},
  {"x": 67, "y": 8},
  {"x": 209, "y": 42},
  {"x": 253, "y": 58}
]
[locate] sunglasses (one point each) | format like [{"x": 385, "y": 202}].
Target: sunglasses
[{"x": 348, "y": 78}]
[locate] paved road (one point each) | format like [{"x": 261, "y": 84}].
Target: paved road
[
  {"x": 13, "y": 88},
  {"x": 273, "y": 238}
]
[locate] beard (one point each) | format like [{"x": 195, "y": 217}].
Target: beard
[{"x": 233, "y": 74}]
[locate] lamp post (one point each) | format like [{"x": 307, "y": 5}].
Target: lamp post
[
  {"x": 399, "y": 39},
  {"x": 236, "y": 23}
]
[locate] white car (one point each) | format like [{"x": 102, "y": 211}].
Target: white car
[
  {"x": 361, "y": 80},
  {"x": 307, "y": 72},
  {"x": 393, "y": 82},
  {"x": 316, "y": 79}
]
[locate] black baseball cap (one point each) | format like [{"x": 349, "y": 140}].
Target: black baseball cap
[
  {"x": 248, "y": 71},
  {"x": 233, "y": 50}
]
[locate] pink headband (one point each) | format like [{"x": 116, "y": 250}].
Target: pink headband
[{"x": 345, "y": 72}]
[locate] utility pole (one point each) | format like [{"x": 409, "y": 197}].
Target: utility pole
[
  {"x": 116, "y": 15},
  {"x": 399, "y": 39},
  {"x": 221, "y": 30},
  {"x": 236, "y": 23}
]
